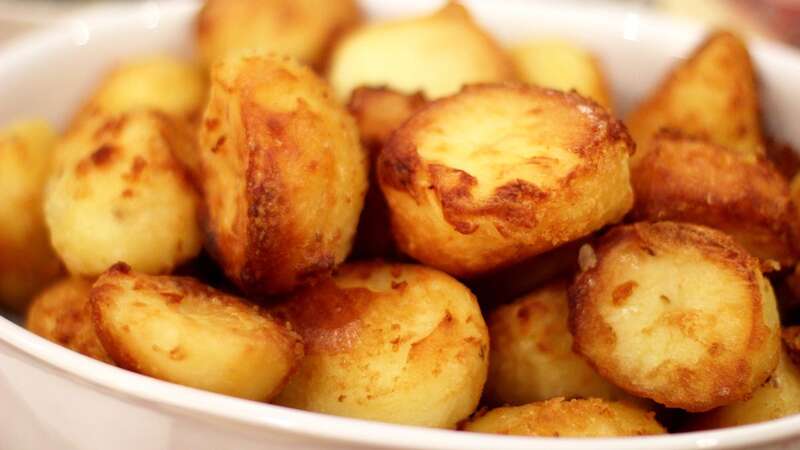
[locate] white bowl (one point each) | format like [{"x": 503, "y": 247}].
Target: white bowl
[{"x": 53, "y": 398}]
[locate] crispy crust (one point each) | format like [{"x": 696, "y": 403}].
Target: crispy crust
[{"x": 723, "y": 375}]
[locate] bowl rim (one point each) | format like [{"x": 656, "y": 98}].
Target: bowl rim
[{"x": 133, "y": 387}]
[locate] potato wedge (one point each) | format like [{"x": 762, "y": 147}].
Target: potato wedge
[
  {"x": 712, "y": 95},
  {"x": 390, "y": 342},
  {"x": 27, "y": 261},
  {"x": 118, "y": 192},
  {"x": 303, "y": 29},
  {"x": 435, "y": 54},
  {"x": 61, "y": 314},
  {"x": 531, "y": 353},
  {"x": 558, "y": 64},
  {"x": 180, "y": 330},
  {"x": 499, "y": 173},
  {"x": 568, "y": 418},
  {"x": 284, "y": 174},
  {"x": 677, "y": 313},
  {"x": 691, "y": 180}
]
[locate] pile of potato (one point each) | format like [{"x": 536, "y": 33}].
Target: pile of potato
[{"x": 302, "y": 217}]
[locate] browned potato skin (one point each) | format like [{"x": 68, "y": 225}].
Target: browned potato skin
[
  {"x": 61, "y": 313},
  {"x": 691, "y": 180},
  {"x": 568, "y": 418},
  {"x": 439, "y": 220},
  {"x": 714, "y": 380},
  {"x": 284, "y": 174},
  {"x": 791, "y": 342}
]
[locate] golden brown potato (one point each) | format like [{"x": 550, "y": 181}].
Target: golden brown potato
[
  {"x": 61, "y": 313},
  {"x": 531, "y": 357},
  {"x": 499, "y": 173},
  {"x": 391, "y": 342},
  {"x": 561, "y": 65},
  {"x": 712, "y": 95},
  {"x": 27, "y": 262},
  {"x": 180, "y": 330},
  {"x": 573, "y": 418},
  {"x": 303, "y": 29},
  {"x": 677, "y": 313},
  {"x": 435, "y": 54},
  {"x": 284, "y": 174},
  {"x": 118, "y": 192},
  {"x": 690, "y": 180}
]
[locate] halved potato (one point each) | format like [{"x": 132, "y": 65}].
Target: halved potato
[
  {"x": 531, "y": 353},
  {"x": 27, "y": 262},
  {"x": 435, "y": 54},
  {"x": 303, "y": 29},
  {"x": 61, "y": 313},
  {"x": 390, "y": 342},
  {"x": 712, "y": 95},
  {"x": 677, "y": 313},
  {"x": 692, "y": 180},
  {"x": 180, "y": 330},
  {"x": 568, "y": 418},
  {"x": 558, "y": 64},
  {"x": 498, "y": 173},
  {"x": 284, "y": 174},
  {"x": 118, "y": 192}
]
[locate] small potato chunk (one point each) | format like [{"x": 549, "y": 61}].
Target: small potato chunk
[
  {"x": 568, "y": 418},
  {"x": 531, "y": 353},
  {"x": 712, "y": 95},
  {"x": 61, "y": 313},
  {"x": 677, "y": 313},
  {"x": 390, "y": 342},
  {"x": 561, "y": 65},
  {"x": 284, "y": 174},
  {"x": 303, "y": 29},
  {"x": 180, "y": 330},
  {"x": 691, "y": 180},
  {"x": 498, "y": 173},
  {"x": 27, "y": 262},
  {"x": 118, "y": 192},
  {"x": 435, "y": 54}
]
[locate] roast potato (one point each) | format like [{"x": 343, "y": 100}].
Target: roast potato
[
  {"x": 498, "y": 173},
  {"x": 435, "y": 54},
  {"x": 27, "y": 262},
  {"x": 558, "y": 64},
  {"x": 692, "y": 180},
  {"x": 712, "y": 95},
  {"x": 677, "y": 313},
  {"x": 304, "y": 29},
  {"x": 180, "y": 330},
  {"x": 568, "y": 418},
  {"x": 284, "y": 174},
  {"x": 118, "y": 192},
  {"x": 61, "y": 313},
  {"x": 396, "y": 343},
  {"x": 531, "y": 352}
]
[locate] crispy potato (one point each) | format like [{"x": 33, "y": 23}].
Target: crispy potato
[
  {"x": 499, "y": 173},
  {"x": 180, "y": 330},
  {"x": 27, "y": 262},
  {"x": 61, "y": 313},
  {"x": 691, "y": 180},
  {"x": 303, "y": 29},
  {"x": 118, "y": 192},
  {"x": 531, "y": 353},
  {"x": 397, "y": 343},
  {"x": 435, "y": 54},
  {"x": 284, "y": 174},
  {"x": 573, "y": 418},
  {"x": 677, "y": 313},
  {"x": 561, "y": 65},
  {"x": 712, "y": 95},
  {"x": 791, "y": 341}
]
